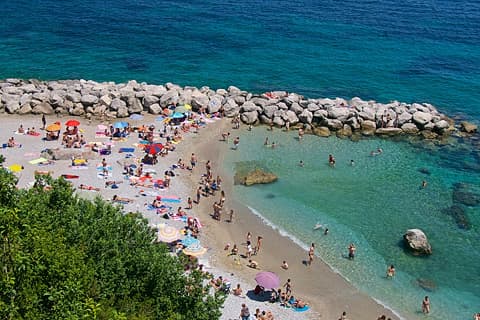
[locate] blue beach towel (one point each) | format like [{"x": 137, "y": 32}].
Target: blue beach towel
[
  {"x": 126, "y": 150},
  {"x": 306, "y": 308}
]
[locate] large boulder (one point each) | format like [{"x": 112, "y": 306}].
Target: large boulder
[
  {"x": 249, "y": 117},
  {"x": 403, "y": 118},
  {"x": 155, "y": 108},
  {"x": 134, "y": 105},
  {"x": 468, "y": 127},
  {"x": 231, "y": 108},
  {"x": 149, "y": 100},
  {"x": 88, "y": 100},
  {"x": 215, "y": 103},
  {"x": 321, "y": 131},
  {"x": 339, "y": 113},
  {"x": 410, "y": 128},
  {"x": 417, "y": 241},
  {"x": 306, "y": 116},
  {"x": 170, "y": 98},
  {"x": 290, "y": 117},
  {"x": 257, "y": 176},
  {"x": 295, "y": 107},
  {"x": 249, "y": 107},
  {"x": 270, "y": 110},
  {"x": 422, "y": 118},
  {"x": 388, "y": 131},
  {"x": 117, "y": 103},
  {"x": 43, "y": 108},
  {"x": 368, "y": 128}
]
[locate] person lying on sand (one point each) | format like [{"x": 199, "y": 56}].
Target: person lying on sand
[
  {"x": 121, "y": 200},
  {"x": 252, "y": 264},
  {"x": 84, "y": 187},
  {"x": 284, "y": 265}
]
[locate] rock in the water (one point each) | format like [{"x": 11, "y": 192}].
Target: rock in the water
[
  {"x": 426, "y": 284},
  {"x": 368, "y": 128},
  {"x": 463, "y": 193},
  {"x": 388, "y": 131},
  {"x": 417, "y": 241},
  {"x": 424, "y": 171},
  {"x": 321, "y": 131},
  {"x": 468, "y": 127},
  {"x": 249, "y": 117},
  {"x": 457, "y": 212},
  {"x": 257, "y": 176}
]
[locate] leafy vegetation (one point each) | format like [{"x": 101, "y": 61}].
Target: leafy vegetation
[{"x": 64, "y": 257}]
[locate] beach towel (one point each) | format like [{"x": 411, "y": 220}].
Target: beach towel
[
  {"x": 31, "y": 154},
  {"x": 34, "y": 134},
  {"x": 126, "y": 150},
  {"x": 101, "y": 175},
  {"x": 19, "y": 133},
  {"x": 70, "y": 176},
  {"x": 100, "y": 168},
  {"x": 171, "y": 200},
  {"x": 83, "y": 167},
  {"x": 37, "y": 161},
  {"x": 305, "y": 308}
]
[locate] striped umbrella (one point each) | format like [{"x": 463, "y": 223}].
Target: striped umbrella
[
  {"x": 168, "y": 234},
  {"x": 195, "y": 250}
]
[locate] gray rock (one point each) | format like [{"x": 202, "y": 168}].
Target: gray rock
[
  {"x": 215, "y": 103},
  {"x": 249, "y": 107},
  {"x": 368, "y": 128},
  {"x": 89, "y": 100},
  {"x": 43, "y": 108},
  {"x": 78, "y": 110},
  {"x": 282, "y": 106},
  {"x": 320, "y": 114},
  {"x": 312, "y": 107},
  {"x": 346, "y": 131},
  {"x": 100, "y": 110},
  {"x": 117, "y": 104},
  {"x": 12, "y": 106},
  {"x": 170, "y": 98},
  {"x": 233, "y": 90},
  {"x": 155, "y": 108},
  {"x": 270, "y": 110},
  {"x": 264, "y": 119},
  {"x": 295, "y": 107},
  {"x": 422, "y": 118},
  {"x": 306, "y": 116},
  {"x": 291, "y": 117},
  {"x": 403, "y": 118},
  {"x": 231, "y": 108},
  {"x": 278, "y": 121},
  {"x": 149, "y": 100},
  {"x": 199, "y": 100},
  {"x": 9, "y": 98},
  {"x": 339, "y": 113},
  {"x": 334, "y": 124},
  {"x": 417, "y": 241},
  {"x": 249, "y": 117},
  {"x": 122, "y": 112},
  {"x": 134, "y": 105},
  {"x": 239, "y": 99},
  {"x": 367, "y": 113},
  {"x": 73, "y": 96},
  {"x": 410, "y": 128},
  {"x": 56, "y": 99},
  {"x": 25, "y": 98},
  {"x": 259, "y": 101},
  {"x": 353, "y": 123},
  {"x": 29, "y": 88},
  {"x": 222, "y": 92},
  {"x": 442, "y": 125}
]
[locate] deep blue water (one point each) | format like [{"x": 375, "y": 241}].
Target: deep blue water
[
  {"x": 412, "y": 51},
  {"x": 423, "y": 51}
]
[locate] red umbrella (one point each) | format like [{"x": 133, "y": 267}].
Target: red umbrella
[
  {"x": 267, "y": 279},
  {"x": 72, "y": 123},
  {"x": 154, "y": 148}
]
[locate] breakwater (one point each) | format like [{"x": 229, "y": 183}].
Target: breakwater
[{"x": 323, "y": 116}]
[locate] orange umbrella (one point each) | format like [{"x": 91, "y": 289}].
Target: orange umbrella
[{"x": 53, "y": 127}]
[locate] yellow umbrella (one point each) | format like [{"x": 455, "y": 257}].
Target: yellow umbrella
[
  {"x": 187, "y": 106},
  {"x": 53, "y": 127},
  {"x": 15, "y": 168}
]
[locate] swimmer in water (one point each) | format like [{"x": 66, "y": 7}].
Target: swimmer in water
[{"x": 301, "y": 164}]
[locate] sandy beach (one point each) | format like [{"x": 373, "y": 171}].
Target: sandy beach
[{"x": 326, "y": 292}]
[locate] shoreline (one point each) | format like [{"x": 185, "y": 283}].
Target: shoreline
[{"x": 332, "y": 293}]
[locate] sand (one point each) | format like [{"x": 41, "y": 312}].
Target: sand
[{"x": 326, "y": 292}]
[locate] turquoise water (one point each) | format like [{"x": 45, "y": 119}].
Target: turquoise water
[{"x": 372, "y": 204}]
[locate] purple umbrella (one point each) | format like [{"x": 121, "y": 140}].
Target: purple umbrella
[{"x": 267, "y": 279}]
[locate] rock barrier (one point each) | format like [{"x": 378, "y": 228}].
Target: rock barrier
[{"x": 323, "y": 116}]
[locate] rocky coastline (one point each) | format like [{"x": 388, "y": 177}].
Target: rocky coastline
[{"x": 322, "y": 117}]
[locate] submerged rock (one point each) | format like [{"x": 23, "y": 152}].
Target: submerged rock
[
  {"x": 424, "y": 171},
  {"x": 426, "y": 284},
  {"x": 417, "y": 241},
  {"x": 457, "y": 212},
  {"x": 463, "y": 193},
  {"x": 256, "y": 176}
]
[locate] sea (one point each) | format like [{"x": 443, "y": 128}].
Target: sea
[{"x": 410, "y": 51}]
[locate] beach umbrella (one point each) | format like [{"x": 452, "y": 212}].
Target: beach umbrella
[
  {"x": 72, "y": 123},
  {"x": 189, "y": 241},
  {"x": 178, "y": 115},
  {"x": 195, "y": 250},
  {"x": 181, "y": 109},
  {"x": 120, "y": 125},
  {"x": 187, "y": 106},
  {"x": 102, "y": 127},
  {"x": 168, "y": 234},
  {"x": 267, "y": 279},
  {"x": 15, "y": 168},
  {"x": 154, "y": 148},
  {"x": 53, "y": 127},
  {"x": 136, "y": 116}
]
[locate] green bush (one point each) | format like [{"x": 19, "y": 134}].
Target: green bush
[{"x": 64, "y": 257}]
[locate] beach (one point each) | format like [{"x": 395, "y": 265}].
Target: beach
[{"x": 325, "y": 291}]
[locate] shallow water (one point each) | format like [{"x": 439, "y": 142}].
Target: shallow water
[{"x": 372, "y": 204}]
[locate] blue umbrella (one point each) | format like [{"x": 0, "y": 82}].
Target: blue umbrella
[
  {"x": 178, "y": 115},
  {"x": 189, "y": 240},
  {"x": 136, "y": 116},
  {"x": 120, "y": 125}
]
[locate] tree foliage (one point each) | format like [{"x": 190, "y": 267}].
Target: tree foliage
[{"x": 64, "y": 257}]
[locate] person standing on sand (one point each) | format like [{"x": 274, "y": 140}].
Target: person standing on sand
[
  {"x": 193, "y": 160},
  {"x": 311, "y": 252},
  {"x": 44, "y": 122},
  {"x": 190, "y": 203},
  {"x": 231, "y": 216},
  {"x": 259, "y": 244},
  {"x": 288, "y": 287},
  {"x": 199, "y": 194},
  {"x": 426, "y": 305},
  {"x": 343, "y": 316}
]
